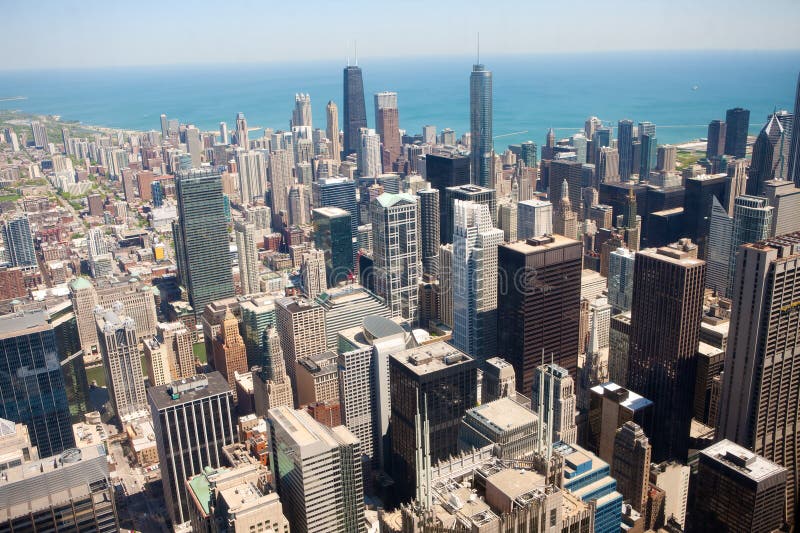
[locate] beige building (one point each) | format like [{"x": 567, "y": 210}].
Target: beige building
[
  {"x": 317, "y": 378},
  {"x": 301, "y": 328},
  {"x": 271, "y": 385},
  {"x": 230, "y": 354}
]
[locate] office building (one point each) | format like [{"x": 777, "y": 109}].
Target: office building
[
  {"x": 355, "y": 111},
  {"x": 446, "y": 284},
  {"x": 565, "y": 220},
  {"x": 301, "y": 114},
  {"x": 72, "y": 491},
  {"x": 271, "y": 385},
  {"x": 756, "y": 410},
  {"x": 608, "y": 165},
  {"x": 440, "y": 383},
  {"x": 301, "y": 328},
  {"x": 186, "y": 447},
  {"x": 717, "y": 132},
  {"x": 252, "y": 169},
  {"x": 317, "y": 473},
  {"x": 533, "y": 319},
  {"x": 666, "y": 311},
  {"x": 39, "y": 134},
  {"x": 770, "y": 153},
  {"x": 610, "y": 407},
  {"x": 317, "y": 379},
  {"x": 332, "y": 130},
  {"x": 475, "y": 243},
  {"x": 620, "y": 279},
  {"x": 553, "y": 387},
  {"x": 312, "y": 272},
  {"x": 738, "y": 490},
  {"x": 625, "y": 148},
  {"x": 719, "y": 249},
  {"x": 445, "y": 170},
  {"x": 498, "y": 380},
  {"x": 122, "y": 362},
  {"x": 571, "y": 173},
  {"x": 649, "y": 153},
  {"x": 752, "y": 222},
  {"x": 631, "y": 464},
  {"x": 534, "y": 218},
  {"x": 784, "y": 196},
  {"x": 472, "y": 193},
  {"x": 337, "y": 192},
  {"x": 793, "y": 172},
  {"x": 394, "y": 219},
  {"x": 672, "y": 478},
  {"x": 230, "y": 353},
  {"x": 242, "y": 132},
  {"x": 387, "y": 124},
  {"x": 201, "y": 238},
  {"x": 346, "y": 307},
  {"x": 333, "y": 236},
  {"x": 512, "y": 428},
  {"x": 480, "y": 121},
  {"x": 369, "y": 154},
  {"x": 249, "y": 265},
  {"x": 430, "y": 231},
  {"x": 18, "y": 241},
  {"x": 737, "y": 123}
]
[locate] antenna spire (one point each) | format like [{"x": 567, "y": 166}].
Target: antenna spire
[
  {"x": 355, "y": 50},
  {"x": 479, "y": 48}
]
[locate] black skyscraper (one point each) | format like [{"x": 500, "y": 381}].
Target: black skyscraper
[
  {"x": 355, "y": 111},
  {"x": 625, "y": 148},
  {"x": 738, "y": 122},
  {"x": 716, "y": 138},
  {"x": 443, "y": 171},
  {"x": 794, "y": 147}
]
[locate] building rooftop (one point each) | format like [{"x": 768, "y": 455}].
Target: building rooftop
[
  {"x": 296, "y": 304},
  {"x": 632, "y": 401},
  {"x": 517, "y": 482},
  {"x": 310, "y": 436},
  {"x": 36, "y": 468},
  {"x": 389, "y": 200},
  {"x": 331, "y": 212},
  {"x": 742, "y": 460},
  {"x": 16, "y": 324},
  {"x": 503, "y": 414},
  {"x": 187, "y": 390},
  {"x": 431, "y": 358},
  {"x": 539, "y": 244}
]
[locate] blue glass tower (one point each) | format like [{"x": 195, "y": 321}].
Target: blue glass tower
[
  {"x": 19, "y": 242},
  {"x": 625, "y": 148},
  {"x": 480, "y": 121}
]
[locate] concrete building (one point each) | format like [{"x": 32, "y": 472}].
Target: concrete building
[
  {"x": 498, "y": 380},
  {"x": 631, "y": 464},
  {"x": 534, "y": 218},
  {"x": 317, "y": 378},
  {"x": 317, "y": 473},
  {"x": 312, "y": 272},
  {"x": 346, "y": 307},
  {"x": 249, "y": 265},
  {"x": 620, "y": 279},
  {"x": 610, "y": 407},
  {"x": 512, "y": 428},
  {"x": 301, "y": 328},
  {"x": 553, "y": 386},
  {"x": 230, "y": 353},
  {"x": 271, "y": 384},
  {"x": 672, "y": 478}
]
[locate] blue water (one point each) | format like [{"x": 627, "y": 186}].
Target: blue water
[{"x": 531, "y": 93}]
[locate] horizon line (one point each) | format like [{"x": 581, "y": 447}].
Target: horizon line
[{"x": 459, "y": 56}]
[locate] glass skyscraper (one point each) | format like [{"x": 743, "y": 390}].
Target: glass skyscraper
[
  {"x": 19, "y": 242},
  {"x": 333, "y": 235},
  {"x": 625, "y": 148},
  {"x": 31, "y": 384},
  {"x": 201, "y": 238},
  {"x": 355, "y": 110},
  {"x": 480, "y": 120}
]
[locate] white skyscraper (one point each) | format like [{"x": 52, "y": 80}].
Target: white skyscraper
[
  {"x": 475, "y": 243},
  {"x": 301, "y": 116},
  {"x": 620, "y": 279},
  {"x": 194, "y": 145},
  {"x": 223, "y": 133},
  {"x": 252, "y": 168},
  {"x": 534, "y": 218},
  {"x": 312, "y": 271},
  {"x": 245, "y": 233},
  {"x": 395, "y": 242},
  {"x": 281, "y": 163},
  {"x": 369, "y": 156},
  {"x": 554, "y": 385}
]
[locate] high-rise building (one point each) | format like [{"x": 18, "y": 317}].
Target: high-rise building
[
  {"x": 301, "y": 327},
  {"x": 355, "y": 111},
  {"x": 565, "y": 220},
  {"x": 245, "y": 234},
  {"x": 387, "y": 124},
  {"x": 756, "y": 409},
  {"x": 438, "y": 382},
  {"x": 445, "y": 170},
  {"x": 649, "y": 154},
  {"x": 631, "y": 464},
  {"x": 446, "y": 284},
  {"x": 430, "y": 231},
  {"x": 770, "y": 152},
  {"x": 480, "y": 120},
  {"x": 317, "y": 473},
  {"x": 333, "y": 235},
  {"x": 29, "y": 350},
  {"x": 281, "y": 163},
  {"x": 610, "y": 407},
  {"x": 39, "y": 134},
  {"x": 719, "y": 249},
  {"x": 717, "y": 131},
  {"x": 369, "y": 154},
  {"x": 738, "y": 490},
  {"x": 752, "y": 222},
  {"x": 194, "y": 146},
  {"x": 472, "y": 193},
  {"x": 570, "y": 172},
  {"x": 620, "y": 279},
  {"x": 625, "y": 148},
  {"x": 666, "y": 158},
  {"x": 737, "y": 123},
  {"x": 793, "y": 173},
  {"x": 475, "y": 243},
  {"x": 18, "y": 240},
  {"x": 666, "y": 311},
  {"x": 201, "y": 238},
  {"x": 251, "y": 166},
  {"x": 242, "y": 139},
  {"x": 529, "y": 153},
  {"x": 534, "y": 218},
  {"x": 608, "y": 165},
  {"x": 122, "y": 362},
  {"x": 312, "y": 273},
  {"x": 71, "y": 491},
  {"x": 539, "y": 288},
  {"x": 394, "y": 219},
  {"x": 332, "y": 130},
  {"x": 230, "y": 353},
  {"x": 271, "y": 385},
  {"x": 554, "y": 389},
  {"x": 193, "y": 420},
  {"x": 301, "y": 115}
]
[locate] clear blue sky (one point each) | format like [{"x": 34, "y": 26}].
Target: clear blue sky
[{"x": 89, "y": 33}]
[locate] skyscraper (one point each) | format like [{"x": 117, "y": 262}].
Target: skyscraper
[
  {"x": 649, "y": 153},
  {"x": 752, "y": 222},
  {"x": 387, "y": 124},
  {"x": 271, "y": 385},
  {"x": 631, "y": 465},
  {"x": 565, "y": 220},
  {"x": 440, "y": 383},
  {"x": 201, "y": 238},
  {"x": 32, "y": 382},
  {"x": 194, "y": 146},
  {"x": 737, "y": 123},
  {"x": 539, "y": 288},
  {"x": 241, "y": 131},
  {"x": 230, "y": 353},
  {"x": 480, "y": 120},
  {"x": 355, "y": 111},
  {"x": 18, "y": 239},
  {"x": 281, "y": 163},
  {"x": 472, "y": 193},
  {"x": 475, "y": 243},
  {"x": 717, "y": 131},
  {"x": 442, "y": 171},
  {"x": 193, "y": 419},
  {"x": 301, "y": 327},
  {"x": 757, "y": 409},
  {"x": 245, "y": 234},
  {"x": 369, "y": 154},
  {"x": 620, "y": 279},
  {"x": 333, "y": 234},
  {"x": 301, "y": 115},
  {"x": 317, "y": 473},
  {"x": 666, "y": 311},
  {"x": 394, "y": 220},
  {"x": 312, "y": 273},
  {"x": 534, "y": 218},
  {"x": 793, "y": 173},
  {"x": 770, "y": 153},
  {"x": 252, "y": 169},
  {"x": 430, "y": 231},
  {"x": 122, "y": 362},
  {"x": 554, "y": 389},
  {"x": 719, "y": 250},
  {"x": 332, "y": 130},
  {"x": 625, "y": 148}
]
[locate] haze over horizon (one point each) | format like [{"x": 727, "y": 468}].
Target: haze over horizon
[{"x": 99, "y": 34}]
